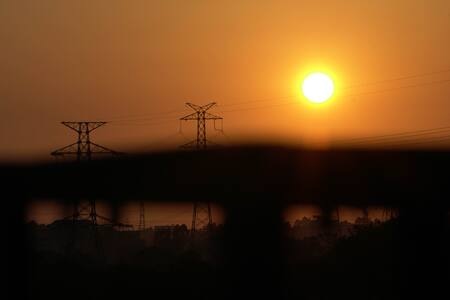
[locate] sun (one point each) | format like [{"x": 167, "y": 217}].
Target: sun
[{"x": 318, "y": 87}]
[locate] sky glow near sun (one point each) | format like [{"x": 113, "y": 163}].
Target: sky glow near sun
[
  {"x": 148, "y": 58},
  {"x": 318, "y": 87}
]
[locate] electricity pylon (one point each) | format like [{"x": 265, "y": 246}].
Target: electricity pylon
[
  {"x": 201, "y": 215},
  {"x": 201, "y": 115},
  {"x": 389, "y": 213},
  {"x": 83, "y": 149},
  {"x": 141, "y": 226}
]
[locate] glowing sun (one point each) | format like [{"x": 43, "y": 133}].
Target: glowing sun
[{"x": 317, "y": 87}]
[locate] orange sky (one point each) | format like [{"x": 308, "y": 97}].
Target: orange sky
[{"x": 72, "y": 60}]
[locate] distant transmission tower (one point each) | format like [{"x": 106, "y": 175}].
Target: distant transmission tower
[
  {"x": 83, "y": 149},
  {"x": 141, "y": 226},
  {"x": 365, "y": 211},
  {"x": 201, "y": 115},
  {"x": 389, "y": 213},
  {"x": 201, "y": 215}
]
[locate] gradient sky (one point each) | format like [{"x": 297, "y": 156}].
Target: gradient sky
[
  {"x": 136, "y": 63},
  {"x": 103, "y": 59}
]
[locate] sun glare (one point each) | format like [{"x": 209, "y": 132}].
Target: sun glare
[{"x": 317, "y": 87}]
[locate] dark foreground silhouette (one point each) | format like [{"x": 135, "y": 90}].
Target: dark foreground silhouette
[
  {"x": 406, "y": 259},
  {"x": 369, "y": 263}
]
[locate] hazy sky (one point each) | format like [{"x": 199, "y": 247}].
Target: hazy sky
[{"x": 91, "y": 60}]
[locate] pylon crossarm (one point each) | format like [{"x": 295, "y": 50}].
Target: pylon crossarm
[
  {"x": 193, "y": 116},
  {"x": 194, "y": 106},
  {"x": 209, "y": 116},
  {"x": 94, "y": 125},
  {"x": 208, "y": 106},
  {"x": 70, "y": 149},
  {"x": 90, "y": 126},
  {"x": 72, "y": 125},
  {"x": 97, "y": 149}
]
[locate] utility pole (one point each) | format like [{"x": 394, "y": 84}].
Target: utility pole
[
  {"x": 83, "y": 149},
  {"x": 201, "y": 215}
]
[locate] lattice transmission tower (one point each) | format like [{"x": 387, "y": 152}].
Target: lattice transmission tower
[
  {"x": 83, "y": 148},
  {"x": 141, "y": 226},
  {"x": 201, "y": 215},
  {"x": 84, "y": 211},
  {"x": 389, "y": 213},
  {"x": 201, "y": 115}
]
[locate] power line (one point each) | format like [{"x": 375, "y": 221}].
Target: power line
[
  {"x": 401, "y": 87},
  {"x": 161, "y": 118},
  {"x": 430, "y": 140},
  {"x": 272, "y": 105},
  {"x": 396, "y": 135},
  {"x": 399, "y": 139},
  {"x": 396, "y": 79},
  {"x": 373, "y": 92},
  {"x": 354, "y": 86},
  {"x": 143, "y": 115},
  {"x": 149, "y": 123},
  {"x": 402, "y": 143},
  {"x": 260, "y": 107}
]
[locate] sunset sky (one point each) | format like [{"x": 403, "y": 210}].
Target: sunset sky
[
  {"x": 125, "y": 60},
  {"x": 136, "y": 63}
]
